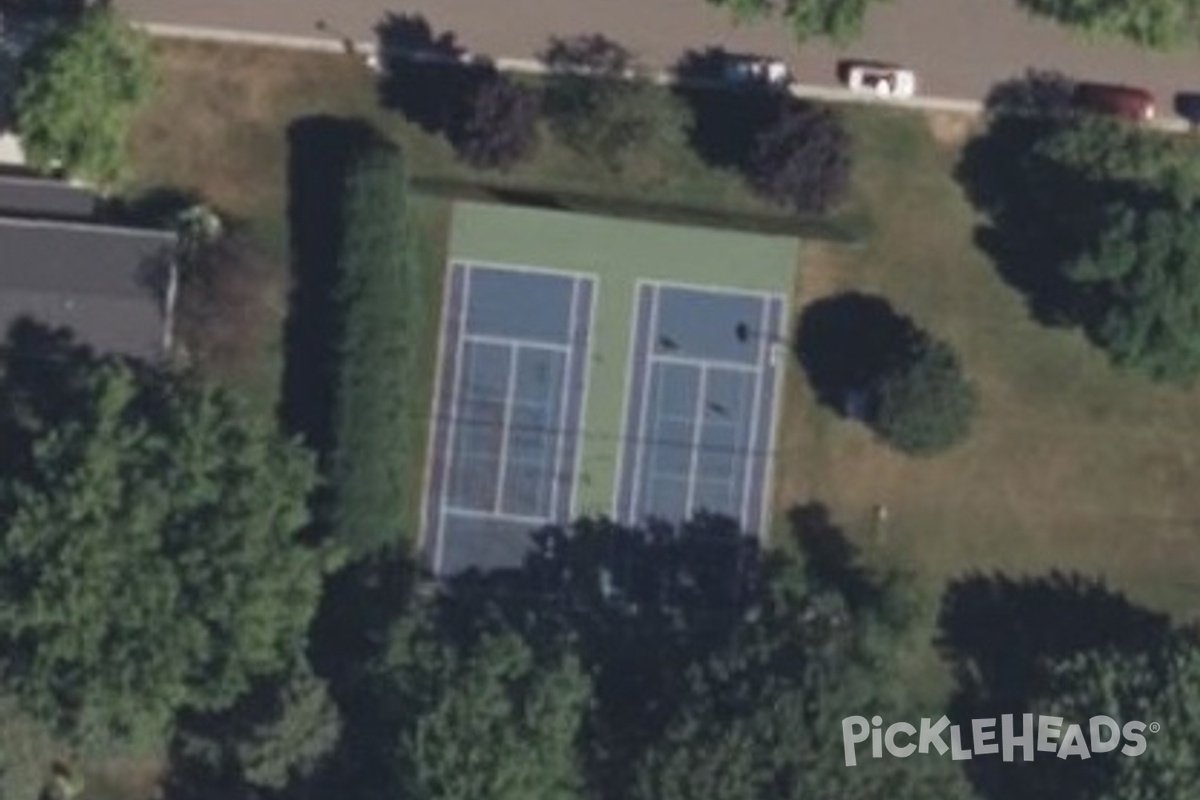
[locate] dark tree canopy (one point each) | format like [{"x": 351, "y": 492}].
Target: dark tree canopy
[
  {"x": 1149, "y": 23},
  {"x": 1095, "y": 221},
  {"x": 1143, "y": 272},
  {"x": 924, "y": 404},
  {"x": 802, "y": 161},
  {"x": 148, "y": 535},
  {"x": 500, "y": 126},
  {"x": 479, "y": 713}
]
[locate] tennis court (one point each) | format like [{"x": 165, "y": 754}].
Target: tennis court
[
  {"x": 509, "y": 405},
  {"x": 700, "y": 404}
]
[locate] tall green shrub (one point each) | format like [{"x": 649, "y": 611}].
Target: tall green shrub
[{"x": 385, "y": 330}]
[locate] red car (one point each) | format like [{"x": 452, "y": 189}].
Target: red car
[{"x": 1121, "y": 101}]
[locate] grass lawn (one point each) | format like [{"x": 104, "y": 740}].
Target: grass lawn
[
  {"x": 1071, "y": 465},
  {"x": 218, "y": 128}
]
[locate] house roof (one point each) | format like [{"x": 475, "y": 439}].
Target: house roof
[
  {"x": 21, "y": 196},
  {"x": 105, "y": 283}
]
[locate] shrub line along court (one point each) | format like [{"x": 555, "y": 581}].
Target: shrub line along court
[{"x": 598, "y": 366}]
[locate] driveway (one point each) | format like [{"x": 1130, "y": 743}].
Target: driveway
[{"x": 959, "y": 48}]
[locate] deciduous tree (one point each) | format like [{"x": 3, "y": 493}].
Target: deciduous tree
[
  {"x": 924, "y": 404},
  {"x": 1142, "y": 278},
  {"x": 77, "y": 99},
  {"x": 485, "y": 714},
  {"x": 839, "y": 20},
  {"x": 1149, "y": 23},
  {"x": 499, "y": 128},
  {"x": 148, "y": 543},
  {"x": 802, "y": 161}
]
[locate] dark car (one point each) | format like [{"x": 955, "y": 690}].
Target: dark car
[{"x": 1128, "y": 102}]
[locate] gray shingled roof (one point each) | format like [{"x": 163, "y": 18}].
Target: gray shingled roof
[
  {"x": 22, "y": 196},
  {"x": 104, "y": 283}
]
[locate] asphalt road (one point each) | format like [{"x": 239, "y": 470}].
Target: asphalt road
[{"x": 959, "y": 48}]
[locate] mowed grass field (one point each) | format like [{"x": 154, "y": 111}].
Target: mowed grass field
[{"x": 1071, "y": 465}]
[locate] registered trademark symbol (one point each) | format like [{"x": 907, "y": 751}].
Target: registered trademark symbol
[{"x": 1155, "y": 727}]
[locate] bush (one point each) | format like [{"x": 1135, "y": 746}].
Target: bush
[
  {"x": 500, "y": 125},
  {"x": 385, "y": 333},
  {"x": 802, "y": 161},
  {"x": 78, "y": 98},
  {"x": 924, "y": 405}
]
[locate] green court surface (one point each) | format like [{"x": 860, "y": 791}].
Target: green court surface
[{"x": 617, "y": 253}]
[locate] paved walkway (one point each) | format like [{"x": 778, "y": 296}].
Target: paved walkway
[{"x": 959, "y": 48}]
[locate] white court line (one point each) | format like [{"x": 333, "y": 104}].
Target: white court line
[
  {"x": 448, "y": 462},
  {"x": 641, "y": 431},
  {"x": 585, "y": 353},
  {"x": 704, "y": 362},
  {"x": 776, "y": 403},
  {"x": 474, "y": 513},
  {"x": 556, "y": 467},
  {"x": 697, "y": 429},
  {"x": 512, "y": 341},
  {"x": 430, "y": 445},
  {"x": 708, "y": 288},
  {"x": 624, "y": 440},
  {"x": 510, "y": 391},
  {"x": 759, "y": 377},
  {"x": 503, "y": 266}
]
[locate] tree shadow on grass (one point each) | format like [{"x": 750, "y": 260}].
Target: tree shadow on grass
[
  {"x": 998, "y": 634},
  {"x": 320, "y": 151},
  {"x": 846, "y": 343}
]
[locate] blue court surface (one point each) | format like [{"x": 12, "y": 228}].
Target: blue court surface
[
  {"x": 700, "y": 405},
  {"x": 509, "y": 406}
]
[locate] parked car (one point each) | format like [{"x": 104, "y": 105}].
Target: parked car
[
  {"x": 1128, "y": 102},
  {"x": 881, "y": 80},
  {"x": 755, "y": 71}
]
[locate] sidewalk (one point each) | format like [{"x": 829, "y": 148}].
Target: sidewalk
[{"x": 959, "y": 48}]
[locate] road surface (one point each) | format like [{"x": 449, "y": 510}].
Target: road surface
[{"x": 959, "y": 48}]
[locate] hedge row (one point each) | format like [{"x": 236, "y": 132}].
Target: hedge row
[{"x": 386, "y": 324}]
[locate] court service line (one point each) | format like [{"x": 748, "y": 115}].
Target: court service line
[
  {"x": 563, "y": 398},
  {"x": 759, "y": 379},
  {"x": 697, "y": 430},
  {"x": 627, "y": 401},
  {"x": 505, "y": 266},
  {"x": 515, "y": 341},
  {"x": 510, "y": 392},
  {"x": 503, "y": 516},
  {"x": 582, "y": 351},
  {"x": 708, "y": 288},
  {"x": 648, "y": 371},
  {"x": 452, "y": 438},
  {"x": 427, "y": 478},
  {"x": 690, "y": 361}
]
